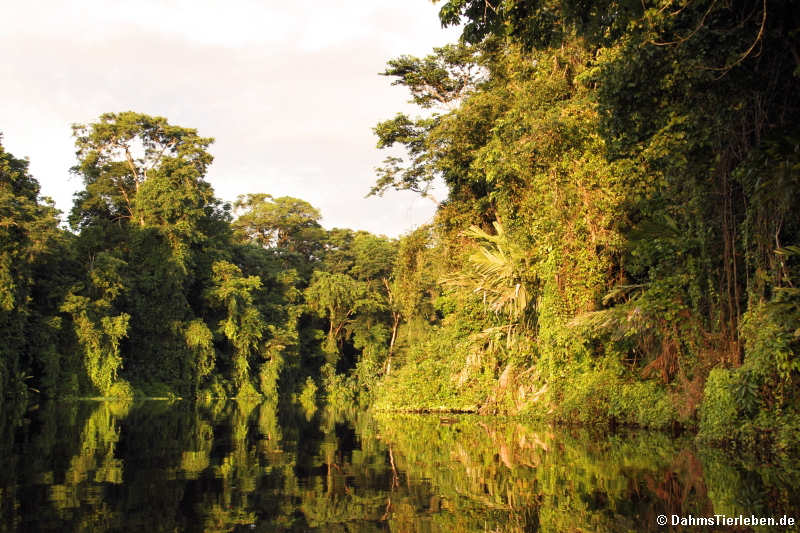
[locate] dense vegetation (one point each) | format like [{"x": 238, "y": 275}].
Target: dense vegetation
[{"x": 620, "y": 241}]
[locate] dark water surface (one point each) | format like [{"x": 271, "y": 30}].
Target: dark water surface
[{"x": 238, "y": 466}]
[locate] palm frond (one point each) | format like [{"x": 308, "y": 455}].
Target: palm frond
[{"x": 497, "y": 272}]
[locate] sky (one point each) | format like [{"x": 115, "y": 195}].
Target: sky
[{"x": 289, "y": 89}]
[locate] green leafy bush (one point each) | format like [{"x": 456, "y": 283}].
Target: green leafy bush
[
  {"x": 718, "y": 413},
  {"x": 602, "y": 396}
]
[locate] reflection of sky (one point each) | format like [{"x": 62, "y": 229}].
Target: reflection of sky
[{"x": 289, "y": 90}]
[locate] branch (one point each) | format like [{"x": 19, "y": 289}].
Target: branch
[
  {"x": 160, "y": 155},
  {"x": 129, "y": 159},
  {"x": 752, "y": 46},
  {"x": 692, "y": 33}
]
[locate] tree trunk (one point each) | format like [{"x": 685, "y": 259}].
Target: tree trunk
[{"x": 396, "y": 318}]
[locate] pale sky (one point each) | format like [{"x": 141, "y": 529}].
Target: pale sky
[{"x": 289, "y": 90}]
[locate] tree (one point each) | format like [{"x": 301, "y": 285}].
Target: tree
[
  {"x": 147, "y": 203},
  {"x": 99, "y": 325},
  {"x": 126, "y": 152},
  {"x": 242, "y": 325},
  {"x": 673, "y": 85},
  {"x": 498, "y": 271},
  {"x": 411, "y": 281},
  {"x": 338, "y": 298},
  {"x": 441, "y": 80},
  {"x": 338, "y": 256},
  {"x": 285, "y": 223},
  {"x": 373, "y": 257},
  {"x": 28, "y": 229}
]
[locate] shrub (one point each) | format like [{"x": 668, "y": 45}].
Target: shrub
[
  {"x": 121, "y": 390},
  {"x": 603, "y": 396},
  {"x": 718, "y": 413}
]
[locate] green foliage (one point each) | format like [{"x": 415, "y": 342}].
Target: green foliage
[
  {"x": 242, "y": 326},
  {"x": 121, "y": 390},
  {"x": 719, "y": 418},
  {"x": 441, "y": 373},
  {"x": 200, "y": 340},
  {"x": 498, "y": 274},
  {"x": 124, "y": 152},
  {"x": 756, "y": 404},
  {"x": 443, "y": 79},
  {"x": 338, "y": 297},
  {"x": 626, "y": 251},
  {"x": 153, "y": 292},
  {"x": 597, "y": 396},
  {"x": 99, "y": 327},
  {"x": 772, "y": 341},
  {"x": 289, "y": 225},
  {"x": 146, "y": 202},
  {"x": 373, "y": 257},
  {"x": 28, "y": 236},
  {"x": 618, "y": 242},
  {"x": 341, "y": 391},
  {"x": 414, "y": 276},
  {"x": 438, "y": 79}
]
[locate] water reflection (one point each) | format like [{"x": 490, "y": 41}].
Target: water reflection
[{"x": 238, "y": 466}]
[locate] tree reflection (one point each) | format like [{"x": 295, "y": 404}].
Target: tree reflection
[{"x": 227, "y": 466}]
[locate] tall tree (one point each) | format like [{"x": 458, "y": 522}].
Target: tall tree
[
  {"x": 338, "y": 298},
  {"x": 146, "y": 202},
  {"x": 27, "y": 229},
  {"x": 285, "y": 222}
]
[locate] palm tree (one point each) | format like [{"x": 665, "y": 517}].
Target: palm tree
[{"x": 498, "y": 271}]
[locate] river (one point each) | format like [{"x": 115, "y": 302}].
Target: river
[{"x": 249, "y": 466}]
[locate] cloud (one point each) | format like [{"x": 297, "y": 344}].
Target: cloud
[{"x": 289, "y": 90}]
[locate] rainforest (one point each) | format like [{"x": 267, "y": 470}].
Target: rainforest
[{"x": 618, "y": 249}]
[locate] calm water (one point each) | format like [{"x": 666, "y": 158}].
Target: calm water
[{"x": 232, "y": 466}]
